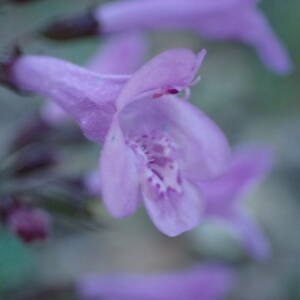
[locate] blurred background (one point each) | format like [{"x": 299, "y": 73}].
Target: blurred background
[{"x": 251, "y": 105}]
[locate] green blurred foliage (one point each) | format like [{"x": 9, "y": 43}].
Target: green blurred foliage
[{"x": 16, "y": 261}]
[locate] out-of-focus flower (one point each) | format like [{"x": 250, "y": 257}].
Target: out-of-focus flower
[
  {"x": 224, "y": 19},
  {"x": 157, "y": 146},
  {"x": 121, "y": 54},
  {"x": 204, "y": 282},
  {"x": 238, "y": 20},
  {"x": 223, "y": 197},
  {"x": 29, "y": 224}
]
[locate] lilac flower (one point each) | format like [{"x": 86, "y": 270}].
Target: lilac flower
[
  {"x": 223, "y": 197},
  {"x": 157, "y": 146},
  {"x": 238, "y": 20},
  {"x": 121, "y": 54},
  {"x": 156, "y": 150},
  {"x": 205, "y": 282},
  {"x": 29, "y": 224}
]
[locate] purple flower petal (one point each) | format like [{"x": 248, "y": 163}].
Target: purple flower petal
[
  {"x": 174, "y": 212},
  {"x": 260, "y": 35},
  {"x": 247, "y": 25},
  {"x": 224, "y": 193},
  {"x": 119, "y": 175},
  {"x": 172, "y": 69},
  {"x": 201, "y": 147},
  {"x": 204, "y": 149}
]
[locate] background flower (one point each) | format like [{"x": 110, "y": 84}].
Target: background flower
[
  {"x": 205, "y": 282},
  {"x": 235, "y": 20}
]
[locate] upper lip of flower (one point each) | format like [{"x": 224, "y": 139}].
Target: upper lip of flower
[{"x": 171, "y": 71}]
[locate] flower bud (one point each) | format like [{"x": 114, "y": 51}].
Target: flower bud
[
  {"x": 29, "y": 224},
  {"x": 72, "y": 27}
]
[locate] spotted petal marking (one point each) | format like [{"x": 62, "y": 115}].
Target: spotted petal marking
[{"x": 160, "y": 167}]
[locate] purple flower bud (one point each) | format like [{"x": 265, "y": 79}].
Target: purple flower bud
[
  {"x": 72, "y": 27},
  {"x": 29, "y": 224}
]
